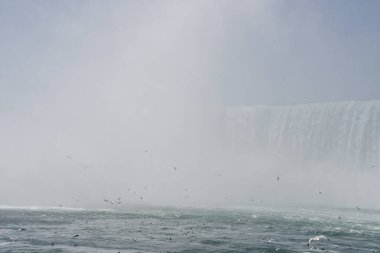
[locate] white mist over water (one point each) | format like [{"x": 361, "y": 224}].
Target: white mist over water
[
  {"x": 104, "y": 109},
  {"x": 100, "y": 101},
  {"x": 314, "y": 154}
]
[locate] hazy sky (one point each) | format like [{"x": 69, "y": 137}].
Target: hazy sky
[
  {"x": 87, "y": 86},
  {"x": 236, "y": 52}
]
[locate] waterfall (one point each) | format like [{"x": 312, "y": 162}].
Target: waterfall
[{"x": 346, "y": 134}]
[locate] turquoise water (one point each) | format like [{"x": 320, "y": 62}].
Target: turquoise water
[{"x": 189, "y": 230}]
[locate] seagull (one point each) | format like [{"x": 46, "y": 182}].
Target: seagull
[
  {"x": 317, "y": 238},
  {"x": 174, "y": 168},
  {"x": 111, "y": 202},
  {"x": 278, "y": 178},
  {"x": 118, "y": 202}
]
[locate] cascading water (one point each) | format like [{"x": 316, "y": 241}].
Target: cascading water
[{"x": 346, "y": 134}]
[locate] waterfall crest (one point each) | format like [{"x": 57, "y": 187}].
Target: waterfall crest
[{"x": 346, "y": 134}]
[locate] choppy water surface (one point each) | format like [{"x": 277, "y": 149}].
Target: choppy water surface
[{"x": 189, "y": 230}]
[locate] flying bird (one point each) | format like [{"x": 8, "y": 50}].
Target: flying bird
[
  {"x": 317, "y": 238},
  {"x": 118, "y": 202},
  {"x": 111, "y": 202}
]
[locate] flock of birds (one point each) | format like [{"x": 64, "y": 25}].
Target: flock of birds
[{"x": 119, "y": 202}]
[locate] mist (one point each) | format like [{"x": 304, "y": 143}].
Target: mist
[{"x": 123, "y": 100}]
